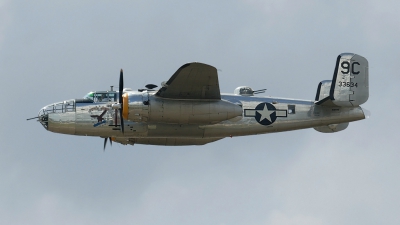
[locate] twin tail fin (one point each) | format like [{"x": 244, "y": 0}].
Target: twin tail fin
[{"x": 349, "y": 86}]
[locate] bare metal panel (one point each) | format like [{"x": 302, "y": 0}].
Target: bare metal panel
[
  {"x": 168, "y": 141},
  {"x": 323, "y": 90},
  {"x": 62, "y": 122},
  {"x": 192, "y": 81},
  {"x": 191, "y": 112},
  {"x": 331, "y": 128},
  {"x": 138, "y": 107},
  {"x": 174, "y": 131},
  {"x": 350, "y": 85}
]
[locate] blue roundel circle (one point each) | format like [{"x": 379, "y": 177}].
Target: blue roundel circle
[{"x": 265, "y": 113}]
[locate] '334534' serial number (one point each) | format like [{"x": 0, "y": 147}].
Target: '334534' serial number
[{"x": 347, "y": 84}]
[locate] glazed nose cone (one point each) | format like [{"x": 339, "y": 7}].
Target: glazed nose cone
[{"x": 58, "y": 121}]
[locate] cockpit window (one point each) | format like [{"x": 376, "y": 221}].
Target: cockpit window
[
  {"x": 102, "y": 96},
  {"x": 89, "y": 95}
]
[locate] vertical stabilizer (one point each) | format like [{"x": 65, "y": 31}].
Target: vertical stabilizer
[{"x": 350, "y": 86}]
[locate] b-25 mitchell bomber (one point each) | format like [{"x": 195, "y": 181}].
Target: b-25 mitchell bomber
[{"x": 189, "y": 109}]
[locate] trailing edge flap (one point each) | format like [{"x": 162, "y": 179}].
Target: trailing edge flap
[{"x": 192, "y": 81}]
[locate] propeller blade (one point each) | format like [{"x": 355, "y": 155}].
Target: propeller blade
[
  {"x": 121, "y": 86},
  {"x": 121, "y": 89},
  {"x": 105, "y": 143}
]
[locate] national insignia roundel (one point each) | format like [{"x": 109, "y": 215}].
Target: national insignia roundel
[{"x": 265, "y": 113}]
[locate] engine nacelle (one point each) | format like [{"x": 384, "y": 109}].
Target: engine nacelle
[
  {"x": 332, "y": 128},
  {"x": 136, "y": 106},
  {"x": 142, "y": 107}
]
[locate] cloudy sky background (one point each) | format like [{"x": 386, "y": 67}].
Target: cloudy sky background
[{"x": 53, "y": 51}]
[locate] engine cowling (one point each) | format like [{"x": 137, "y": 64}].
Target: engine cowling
[{"x": 135, "y": 106}]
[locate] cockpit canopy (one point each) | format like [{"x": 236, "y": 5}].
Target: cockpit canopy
[
  {"x": 244, "y": 91},
  {"x": 102, "y": 96}
]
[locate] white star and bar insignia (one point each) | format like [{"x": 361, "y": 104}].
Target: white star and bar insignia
[{"x": 265, "y": 113}]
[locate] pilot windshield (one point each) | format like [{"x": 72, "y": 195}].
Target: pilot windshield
[{"x": 89, "y": 95}]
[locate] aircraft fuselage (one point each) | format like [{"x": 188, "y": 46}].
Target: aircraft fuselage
[
  {"x": 189, "y": 109},
  {"x": 286, "y": 115}
]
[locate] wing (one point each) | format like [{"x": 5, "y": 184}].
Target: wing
[{"x": 192, "y": 81}]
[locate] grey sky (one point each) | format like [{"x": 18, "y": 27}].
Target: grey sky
[{"x": 53, "y": 51}]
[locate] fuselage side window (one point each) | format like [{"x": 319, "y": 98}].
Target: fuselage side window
[
  {"x": 112, "y": 97},
  {"x": 105, "y": 97}
]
